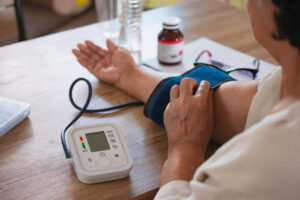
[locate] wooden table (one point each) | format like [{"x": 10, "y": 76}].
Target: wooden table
[{"x": 39, "y": 71}]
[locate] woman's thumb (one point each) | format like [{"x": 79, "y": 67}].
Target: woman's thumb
[{"x": 111, "y": 46}]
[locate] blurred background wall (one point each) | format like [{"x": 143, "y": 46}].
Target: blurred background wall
[{"x": 42, "y": 17}]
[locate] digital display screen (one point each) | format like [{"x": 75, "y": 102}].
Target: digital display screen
[{"x": 97, "y": 141}]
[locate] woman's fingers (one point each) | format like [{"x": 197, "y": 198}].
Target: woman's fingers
[
  {"x": 83, "y": 59},
  {"x": 80, "y": 55},
  {"x": 174, "y": 93},
  {"x": 203, "y": 89},
  {"x": 75, "y": 52},
  {"x": 188, "y": 86},
  {"x": 85, "y": 63},
  {"x": 101, "y": 52},
  {"x": 94, "y": 57},
  {"x": 111, "y": 46}
]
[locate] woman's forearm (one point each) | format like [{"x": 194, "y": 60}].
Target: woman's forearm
[
  {"x": 232, "y": 100},
  {"x": 140, "y": 82}
]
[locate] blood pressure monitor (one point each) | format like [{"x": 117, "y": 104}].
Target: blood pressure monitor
[{"x": 99, "y": 153}]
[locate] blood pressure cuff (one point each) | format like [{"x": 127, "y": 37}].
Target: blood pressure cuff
[{"x": 160, "y": 97}]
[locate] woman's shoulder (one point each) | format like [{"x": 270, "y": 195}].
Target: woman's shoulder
[
  {"x": 266, "y": 98},
  {"x": 286, "y": 114},
  {"x": 272, "y": 78}
]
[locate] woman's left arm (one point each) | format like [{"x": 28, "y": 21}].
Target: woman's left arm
[{"x": 188, "y": 120}]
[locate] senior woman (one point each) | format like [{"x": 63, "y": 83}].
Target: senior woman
[{"x": 262, "y": 130}]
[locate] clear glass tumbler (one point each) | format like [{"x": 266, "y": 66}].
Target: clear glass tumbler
[{"x": 108, "y": 10}]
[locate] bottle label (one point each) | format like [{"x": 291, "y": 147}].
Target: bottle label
[{"x": 170, "y": 51}]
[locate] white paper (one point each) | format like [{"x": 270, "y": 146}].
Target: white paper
[{"x": 219, "y": 52}]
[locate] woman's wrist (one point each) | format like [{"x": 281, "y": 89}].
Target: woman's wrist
[
  {"x": 128, "y": 67},
  {"x": 126, "y": 77},
  {"x": 138, "y": 82},
  {"x": 183, "y": 147},
  {"x": 182, "y": 162}
]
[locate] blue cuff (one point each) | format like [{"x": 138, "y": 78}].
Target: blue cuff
[{"x": 160, "y": 97}]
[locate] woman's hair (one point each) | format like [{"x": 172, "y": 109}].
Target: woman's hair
[{"x": 287, "y": 19}]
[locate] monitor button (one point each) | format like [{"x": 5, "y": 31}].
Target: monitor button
[
  {"x": 117, "y": 159},
  {"x": 102, "y": 154},
  {"x": 91, "y": 163}
]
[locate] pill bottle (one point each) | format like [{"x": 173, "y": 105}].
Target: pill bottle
[{"x": 170, "y": 42}]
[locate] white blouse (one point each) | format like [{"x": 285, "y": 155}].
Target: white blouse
[{"x": 263, "y": 162}]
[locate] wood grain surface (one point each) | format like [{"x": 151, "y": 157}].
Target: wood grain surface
[
  {"x": 8, "y": 23},
  {"x": 39, "y": 71}
]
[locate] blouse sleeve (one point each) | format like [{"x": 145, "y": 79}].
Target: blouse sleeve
[{"x": 261, "y": 163}]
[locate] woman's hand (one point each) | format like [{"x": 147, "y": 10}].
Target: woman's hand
[
  {"x": 107, "y": 65},
  {"x": 189, "y": 116},
  {"x": 117, "y": 67},
  {"x": 188, "y": 119}
]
